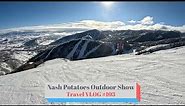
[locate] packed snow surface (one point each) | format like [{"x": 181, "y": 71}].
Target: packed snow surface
[{"x": 160, "y": 74}]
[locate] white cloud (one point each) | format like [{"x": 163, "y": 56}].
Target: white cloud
[
  {"x": 148, "y": 20},
  {"x": 72, "y": 26},
  {"x": 132, "y": 21},
  {"x": 92, "y": 24},
  {"x": 146, "y": 23}
]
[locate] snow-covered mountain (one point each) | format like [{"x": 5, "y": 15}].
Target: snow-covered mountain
[
  {"x": 17, "y": 47},
  {"x": 73, "y": 50},
  {"x": 35, "y": 58},
  {"x": 37, "y": 47},
  {"x": 94, "y": 34}
]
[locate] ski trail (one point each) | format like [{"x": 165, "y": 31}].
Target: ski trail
[
  {"x": 70, "y": 55},
  {"x": 92, "y": 50},
  {"x": 50, "y": 52},
  {"x": 83, "y": 50}
]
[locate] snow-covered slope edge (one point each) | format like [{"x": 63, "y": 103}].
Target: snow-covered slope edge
[{"x": 160, "y": 74}]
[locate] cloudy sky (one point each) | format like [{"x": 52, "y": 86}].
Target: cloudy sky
[{"x": 91, "y": 15}]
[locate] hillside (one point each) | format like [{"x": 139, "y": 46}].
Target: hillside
[{"x": 160, "y": 74}]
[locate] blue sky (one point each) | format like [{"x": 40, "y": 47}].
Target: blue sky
[{"x": 19, "y": 14}]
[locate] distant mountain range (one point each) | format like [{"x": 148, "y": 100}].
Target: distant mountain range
[{"x": 84, "y": 45}]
